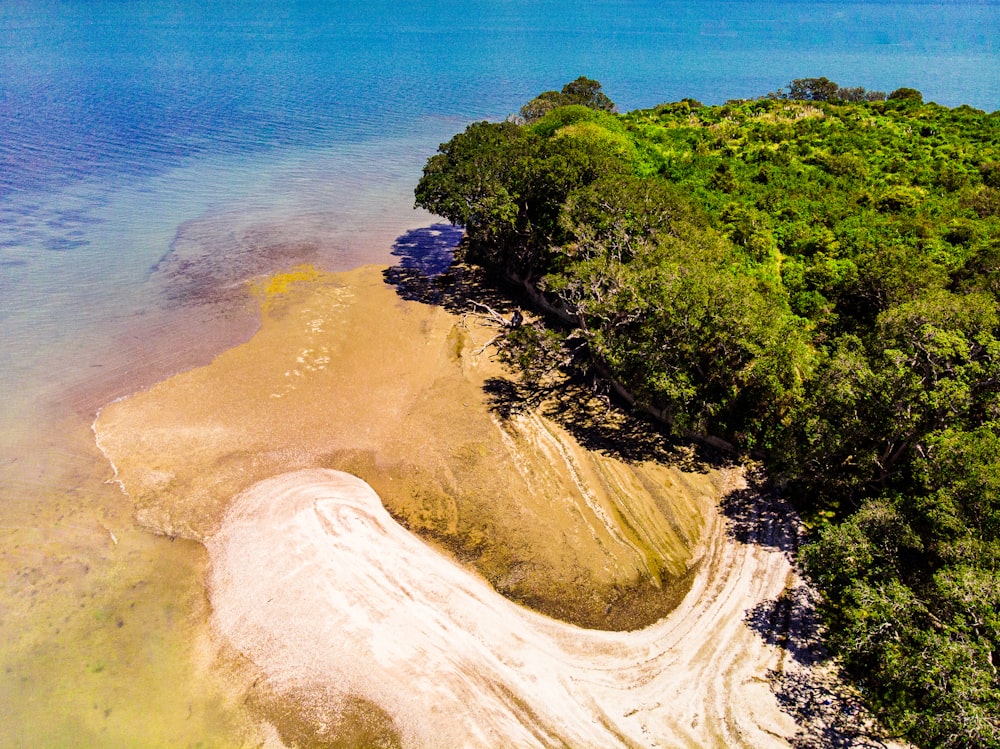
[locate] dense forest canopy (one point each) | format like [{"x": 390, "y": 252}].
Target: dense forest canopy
[{"x": 813, "y": 276}]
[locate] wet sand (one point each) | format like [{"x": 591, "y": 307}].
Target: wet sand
[
  {"x": 104, "y": 634},
  {"x": 344, "y": 374}
]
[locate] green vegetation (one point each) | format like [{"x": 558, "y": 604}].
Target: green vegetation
[
  {"x": 813, "y": 276},
  {"x": 583, "y": 91}
]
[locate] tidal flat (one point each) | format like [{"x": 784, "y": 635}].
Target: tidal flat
[
  {"x": 493, "y": 553},
  {"x": 345, "y": 374}
]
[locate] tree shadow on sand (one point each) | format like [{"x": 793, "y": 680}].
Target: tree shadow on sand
[
  {"x": 429, "y": 272},
  {"x": 761, "y": 516},
  {"x": 827, "y": 714},
  {"x": 579, "y": 404},
  {"x": 808, "y": 687},
  {"x": 790, "y": 622}
]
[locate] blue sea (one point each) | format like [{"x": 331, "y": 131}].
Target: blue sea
[{"x": 153, "y": 153}]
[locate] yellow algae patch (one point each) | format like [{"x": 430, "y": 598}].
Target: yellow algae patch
[
  {"x": 274, "y": 291},
  {"x": 281, "y": 283},
  {"x": 344, "y": 374}
]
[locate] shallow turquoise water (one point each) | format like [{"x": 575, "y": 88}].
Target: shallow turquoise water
[{"x": 245, "y": 136}]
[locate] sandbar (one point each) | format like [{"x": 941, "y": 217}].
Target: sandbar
[
  {"x": 345, "y": 374},
  {"x": 330, "y": 597}
]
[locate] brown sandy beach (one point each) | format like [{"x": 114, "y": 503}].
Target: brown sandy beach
[
  {"x": 343, "y": 374},
  {"x": 361, "y": 630}
]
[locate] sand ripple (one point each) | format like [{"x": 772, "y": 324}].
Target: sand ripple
[{"x": 316, "y": 583}]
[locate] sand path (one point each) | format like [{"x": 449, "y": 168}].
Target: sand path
[{"x": 318, "y": 585}]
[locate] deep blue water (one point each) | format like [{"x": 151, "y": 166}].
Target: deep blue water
[{"x": 120, "y": 88}]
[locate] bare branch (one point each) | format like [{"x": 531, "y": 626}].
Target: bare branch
[{"x": 486, "y": 345}]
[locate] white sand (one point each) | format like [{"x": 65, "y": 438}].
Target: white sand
[{"x": 320, "y": 588}]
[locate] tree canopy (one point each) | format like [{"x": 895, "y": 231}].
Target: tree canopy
[
  {"x": 823, "y": 89},
  {"x": 583, "y": 91},
  {"x": 813, "y": 276}
]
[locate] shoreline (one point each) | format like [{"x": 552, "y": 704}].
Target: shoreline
[
  {"x": 306, "y": 393},
  {"x": 183, "y": 447},
  {"x": 80, "y": 609}
]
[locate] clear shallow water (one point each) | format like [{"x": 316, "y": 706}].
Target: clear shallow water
[{"x": 244, "y": 136}]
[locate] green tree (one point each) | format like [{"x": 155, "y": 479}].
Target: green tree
[
  {"x": 906, "y": 94},
  {"x": 815, "y": 276},
  {"x": 813, "y": 89},
  {"x": 583, "y": 91}
]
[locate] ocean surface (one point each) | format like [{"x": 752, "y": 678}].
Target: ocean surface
[{"x": 154, "y": 155}]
